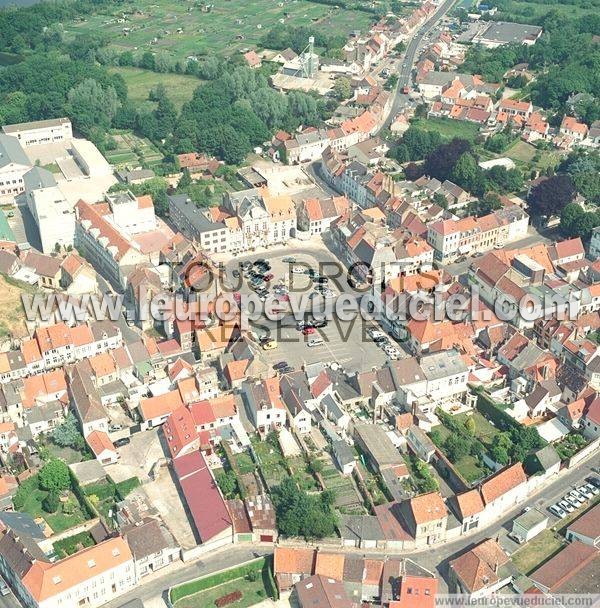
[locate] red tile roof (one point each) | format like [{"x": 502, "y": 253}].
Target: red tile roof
[
  {"x": 203, "y": 497},
  {"x": 503, "y": 482}
]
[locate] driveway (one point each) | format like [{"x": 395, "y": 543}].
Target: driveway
[{"x": 137, "y": 458}]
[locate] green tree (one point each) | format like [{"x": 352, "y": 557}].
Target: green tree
[
  {"x": 51, "y": 503},
  {"x": 92, "y": 106},
  {"x": 54, "y": 476},
  {"x": 67, "y": 434},
  {"x": 342, "y": 89},
  {"x": 470, "y": 425}
]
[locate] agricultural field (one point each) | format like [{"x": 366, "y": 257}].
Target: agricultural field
[
  {"x": 180, "y": 87},
  {"x": 187, "y": 28},
  {"x": 132, "y": 151}
]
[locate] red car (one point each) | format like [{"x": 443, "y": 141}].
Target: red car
[
  {"x": 237, "y": 296},
  {"x": 309, "y": 330},
  {"x": 284, "y": 297},
  {"x": 268, "y": 277}
]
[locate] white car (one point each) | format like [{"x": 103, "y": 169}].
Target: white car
[
  {"x": 580, "y": 497},
  {"x": 593, "y": 489},
  {"x": 315, "y": 342},
  {"x": 556, "y": 510},
  {"x": 298, "y": 270},
  {"x": 585, "y": 492},
  {"x": 573, "y": 501},
  {"x": 375, "y": 333},
  {"x": 565, "y": 506}
]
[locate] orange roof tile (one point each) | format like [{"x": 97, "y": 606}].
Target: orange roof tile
[
  {"x": 44, "y": 580},
  {"x": 161, "y": 405},
  {"x": 427, "y": 508},
  {"x": 330, "y": 565},
  {"x": 99, "y": 442},
  {"x": 503, "y": 482}
]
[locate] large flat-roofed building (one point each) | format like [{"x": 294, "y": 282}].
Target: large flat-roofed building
[
  {"x": 53, "y": 214},
  {"x": 89, "y": 158},
  {"x": 41, "y": 131},
  {"x": 500, "y": 33}
]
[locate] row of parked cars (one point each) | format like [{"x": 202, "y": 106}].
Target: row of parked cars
[
  {"x": 576, "y": 498},
  {"x": 393, "y": 352}
]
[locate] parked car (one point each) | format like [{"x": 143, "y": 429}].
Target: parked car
[
  {"x": 4, "y": 588},
  {"x": 270, "y": 345},
  {"x": 375, "y": 333},
  {"x": 246, "y": 265},
  {"x": 119, "y": 443},
  {"x": 565, "y": 506},
  {"x": 235, "y": 274},
  {"x": 289, "y": 260},
  {"x": 268, "y": 277},
  {"x": 280, "y": 365},
  {"x": 594, "y": 481},
  {"x": 573, "y": 501},
  {"x": 286, "y": 370},
  {"x": 315, "y": 341},
  {"x": 298, "y": 270},
  {"x": 585, "y": 492},
  {"x": 592, "y": 488},
  {"x": 319, "y": 323},
  {"x": 556, "y": 510},
  {"x": 307, "y": 331},
  {"x": 580, "y": 497},
  {"x": 115, "y": 427}
]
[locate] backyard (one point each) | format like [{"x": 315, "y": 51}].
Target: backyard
[
  {"x": 347, "y": 498},
  {"x": 272, "y": 462},
  {"x": 184, "y": 29},
  {"x": 523, "y": 153},
  {"x": 69, "y": 513},
  {"x": 469, "y": 466}
]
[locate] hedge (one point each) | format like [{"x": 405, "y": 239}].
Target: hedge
[{"x": 214, "y": 580}]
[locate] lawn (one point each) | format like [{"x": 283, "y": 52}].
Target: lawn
[
  {"x": 184, "y": 29},
  {"x": 523, "y": 153},
  {"x": 180, "y": 87},
  {"x": 448, "y": 128},
  {"x": 58, "y": 521},
  {"x": 244, "y": 462},
  {"x": 254, "y": 580},
  {"x": 303, "y": 476},
  {"x": 537, "y": 551},
  {"x": 72, "y": 544}
]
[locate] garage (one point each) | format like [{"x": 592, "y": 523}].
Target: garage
[{"x": 266, "y": 538}]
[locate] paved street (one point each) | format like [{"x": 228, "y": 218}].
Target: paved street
[{"x": 410, "y": 57}]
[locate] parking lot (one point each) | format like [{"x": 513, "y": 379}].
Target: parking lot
[{"x": 345, "y": 342}]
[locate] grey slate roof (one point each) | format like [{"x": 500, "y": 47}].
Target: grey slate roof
[
  {"x": 11, "y": 152},
  {"x": 38, "y": 178}
]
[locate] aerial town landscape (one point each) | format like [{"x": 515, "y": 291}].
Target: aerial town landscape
[{"x": 299, "y": 303}]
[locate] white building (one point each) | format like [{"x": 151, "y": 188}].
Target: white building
[
  {"x": 41, "y": 131},
  {"x": 13, "y": 166},
  {"x": 91, "y": 577},
  {"x": 54, "y": 216},
  {"x": 89, "y": 158}
]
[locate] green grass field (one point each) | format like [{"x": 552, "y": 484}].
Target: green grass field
[
  {"x": 184, "y": 29},
  {"x": 523, "y": 153},
  {"x": 58, "y": 521},
  {"x": 533, "y": 10},
  {"x": 537, "y": 551},
  {"x": 180, "y": 87},
  {"x": 448, "y": 128}
]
